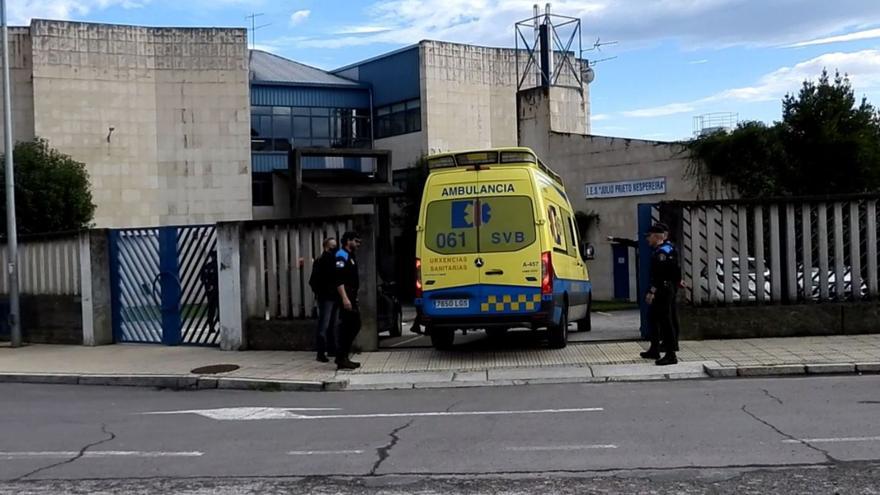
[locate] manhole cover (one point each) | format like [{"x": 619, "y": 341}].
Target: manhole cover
[{"x": 214, "y": 369}]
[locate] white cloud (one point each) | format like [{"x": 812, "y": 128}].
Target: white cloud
[
  {"x": 662, "y": 110},
  {"x": 868, "y": 34},
  {"x": 299, "y": 17},
  {"x": 698, "y": 62},
  {"x": 22, "y": 11},
  {"x": 692, "y": 23},
  {"x": 599, "y": 117},
  {"x": 863, "y": 68},
  {"x": 363, "y": 30}
]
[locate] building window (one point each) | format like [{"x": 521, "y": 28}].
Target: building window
[
  {"x": 263, "y": 193},
  {"x": 283, "y": 128},
  {"x": 399, "y": 118}
]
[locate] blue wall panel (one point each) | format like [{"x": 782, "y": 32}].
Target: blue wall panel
[
  {"x": 309, "y": 96},
  {"x": 394, "y": 78}
]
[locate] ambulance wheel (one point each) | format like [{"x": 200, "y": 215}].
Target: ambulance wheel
[
  {"x": 396, "y": 329},
  {"x": 586, "y": 324},
  {"x": 558, "y": 334},
  {"x": 442, "y": 338}
]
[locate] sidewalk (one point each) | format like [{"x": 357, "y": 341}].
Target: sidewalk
[{"x": 172, "y": 367}]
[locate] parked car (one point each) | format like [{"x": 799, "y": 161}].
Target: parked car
[
  {"x": 815, "y": 292},
  {"x": 736, "y": 277}
]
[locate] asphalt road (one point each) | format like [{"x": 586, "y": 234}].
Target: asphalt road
[{"x": 733, "y": 436}]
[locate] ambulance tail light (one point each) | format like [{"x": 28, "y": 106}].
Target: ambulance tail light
[
  {"x": 546, "y": 273},
  {"x": 418, "y": 278}
]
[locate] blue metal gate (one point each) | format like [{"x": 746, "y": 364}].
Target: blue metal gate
[
  {"x": 164, "y": 285},
  {"x": 648, "y": 214}
]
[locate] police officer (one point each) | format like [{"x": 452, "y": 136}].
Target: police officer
[
  {"x": 661, "y": 296},
  {"x": 322, "y": 282},
  {"x": 347, "y": 285}
]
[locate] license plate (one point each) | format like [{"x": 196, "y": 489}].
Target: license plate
[{"x": 452, "y": 304}]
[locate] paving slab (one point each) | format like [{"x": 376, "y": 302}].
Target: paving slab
[
  {"x": 471, "y": 376},
  {"x": 385, "y": 381},
  {"x": 822, "y": 369},
  {"x": 161, "y": 381},
  {"x": 48, "y": 379},
  {"x": 775, "y": 370},
  {"x": 269, "y": 385},
  {"x": 868, "y": 367},
  {"x": 549, "y": 372},
  {"x": 716, "y": 370}
]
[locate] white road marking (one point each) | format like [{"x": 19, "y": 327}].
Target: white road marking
[
  {"x": 248, "y": 413},
  {"x": 834, "y": 440},
  {"x": 97, "y": 453},
  {"x": 604, "y": 314},
  {"x": 549, "y": 448},
  {"x": 254, "y": 413},
  {"x": 325, "y": 452}
]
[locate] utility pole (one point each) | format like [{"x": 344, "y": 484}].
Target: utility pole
[
  {"x": 11, "y": 234},
  {"x": 254, "y": 27}
]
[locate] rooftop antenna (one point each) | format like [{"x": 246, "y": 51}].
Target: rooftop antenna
[
  {"x": 254, "y": 27},
  {"x": 552, "y": 44},
  {"x": 589, "y": 73}
]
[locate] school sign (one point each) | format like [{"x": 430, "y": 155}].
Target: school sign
[{"x": 620, "y": 189}]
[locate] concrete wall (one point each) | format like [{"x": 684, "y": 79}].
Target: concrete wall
[
  {"x": 582, "y": 159},
  {"x": 749, "y": 322},
  {"x": 20, "y": 68},
  {"x": 470, "y": 97},
  {"x": 47, "y": 319},
  {"x": 178, "y": 103}
]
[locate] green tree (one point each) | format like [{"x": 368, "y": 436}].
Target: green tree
[
  {"x": 825, "y": 144},
  {"x": 52, "y": 190}
]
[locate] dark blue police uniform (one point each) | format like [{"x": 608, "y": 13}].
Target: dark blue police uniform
[
  {"x": 346, "y": 275},
  {"x": 665, "y": 278}
]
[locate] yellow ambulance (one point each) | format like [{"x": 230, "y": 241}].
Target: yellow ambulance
[{"x": 497, "y": 248}]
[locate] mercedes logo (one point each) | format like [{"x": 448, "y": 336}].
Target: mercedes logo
[{"x": 479, "y": 262}]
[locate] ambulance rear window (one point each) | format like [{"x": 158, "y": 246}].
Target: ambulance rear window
[
  {"x": 510, "y": 224},
  {"x": 450, "y": 227},
  {"x": 485, "y": 225}
]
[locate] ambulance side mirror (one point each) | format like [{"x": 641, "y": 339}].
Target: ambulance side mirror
[{"x": 588, "y": 252}]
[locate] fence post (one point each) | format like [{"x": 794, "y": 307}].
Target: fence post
[
  {"x": 233, "y": 319},
  {"x": 94, "y": 259},
  {"x": 368, "y": 338}
]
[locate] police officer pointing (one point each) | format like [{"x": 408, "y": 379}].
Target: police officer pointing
[
  {"x": 665, "y": 277},
  {"x": 347, "y": 285}
]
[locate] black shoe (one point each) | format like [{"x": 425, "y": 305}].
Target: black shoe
[
  {"x": 346, "y": 365},
  {"x": 356, "y": 365},
  {"x": 668, "y": 359},
  {"x": 650, "y": 354},
  {"x": 322, "y": 359}
]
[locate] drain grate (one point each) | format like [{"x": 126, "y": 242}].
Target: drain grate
[{"x": 214, "y": 369}]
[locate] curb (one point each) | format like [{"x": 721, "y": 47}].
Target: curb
[
  {"x": 718, "y": 371},
  {"x": 174, "y": 382},
  {"x": 467, "y": 379}
]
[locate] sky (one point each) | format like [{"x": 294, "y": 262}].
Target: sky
[{"x": 667, "y": 60}]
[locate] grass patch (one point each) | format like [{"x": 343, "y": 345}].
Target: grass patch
[{"x": 608, "y": 306}]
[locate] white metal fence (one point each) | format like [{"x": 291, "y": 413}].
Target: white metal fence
[
  {"x": 47, "y": 266},
  {"x": 278, "y": 260},
  {"x": 800, "y": 251}
]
